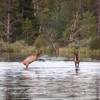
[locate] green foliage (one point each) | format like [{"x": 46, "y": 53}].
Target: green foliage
[
  {"x": 27, "y": 25},
  {"x": 28, "y": 31},
  {"x": 88, "y": 24},
  {"x": 67, "y": 32},
  {"x": 87, "y": 27},
  {"x": 95, "y": 43},
  {"x": 61, "y": 14},
  {"x": 41, "y": 42}
]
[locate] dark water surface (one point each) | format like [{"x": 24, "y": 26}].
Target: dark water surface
[{"x": 50, "y": 80}]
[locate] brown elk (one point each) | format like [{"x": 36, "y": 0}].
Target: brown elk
[{"x": 33, "y": 57}]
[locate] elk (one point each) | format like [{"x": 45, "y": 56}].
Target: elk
[
  {"x": 33, "y": 57},
  {"x": 77, "y": 60}
]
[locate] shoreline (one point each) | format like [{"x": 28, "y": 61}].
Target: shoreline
[{"x": 19, "y": 57}]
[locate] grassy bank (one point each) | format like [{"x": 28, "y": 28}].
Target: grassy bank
[
  {"x": 18, "y": 47},
  {"x": 84, "y": 53},
  {"x": 21, "y": 48}
]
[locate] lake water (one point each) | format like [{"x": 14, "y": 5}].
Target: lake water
[{"x": 50, "y": 80}]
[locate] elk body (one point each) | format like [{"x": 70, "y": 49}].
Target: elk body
[{"x": 28, "y": 60}]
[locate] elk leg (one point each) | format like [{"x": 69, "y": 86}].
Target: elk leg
[{"x": 26, "y": 67}]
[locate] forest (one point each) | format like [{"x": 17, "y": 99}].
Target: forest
[{"x": 51, "y": 25}]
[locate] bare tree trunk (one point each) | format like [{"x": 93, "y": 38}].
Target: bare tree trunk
[
  {"x": 9, "y": 4},
  {"x": 98, "y": 24},
  {"x": 76, "y": 25},
  {"x": 8, "y": 25}
]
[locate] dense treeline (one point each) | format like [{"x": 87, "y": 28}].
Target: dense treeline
[{"x": 51, "y": 23}]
